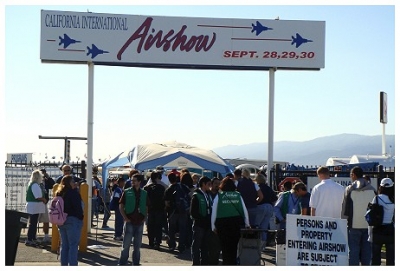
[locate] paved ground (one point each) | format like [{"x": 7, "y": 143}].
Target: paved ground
[{"x": 102, "y": 250}]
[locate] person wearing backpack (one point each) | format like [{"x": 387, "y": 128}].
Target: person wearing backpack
[
  {"x": 384, "y": 234},
  {"x": 356, "y": 197},
  {"x": 288, "y": 203},
  {"x": 70, "y": 231},
  {"x": 133, "y": 207},
  {"x": 177, "y": 210},
  {"x": 35, "y": 205},
  {"x": 156, "y": 215}
]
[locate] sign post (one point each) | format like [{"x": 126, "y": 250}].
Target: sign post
[{"x": 383, "y": 118}]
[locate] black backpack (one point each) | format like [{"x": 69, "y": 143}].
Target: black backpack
[
  {"x": 181, "y": 199},
  {"x": 374, "y": 214}
]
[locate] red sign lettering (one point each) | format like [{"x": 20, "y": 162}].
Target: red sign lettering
[{"x": 168, "y": 41}]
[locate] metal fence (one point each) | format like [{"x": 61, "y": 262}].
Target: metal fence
[
  {"x": 17, "y": 177},
  {"x": 376, "y": 172}
]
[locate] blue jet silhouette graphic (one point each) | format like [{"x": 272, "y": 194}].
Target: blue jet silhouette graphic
[
  {"x": 299, "y": 40},
  {"x": 67, "y": 41},
  {"x": 259, "y": 28},
  {"x": 95, "y": 51}
]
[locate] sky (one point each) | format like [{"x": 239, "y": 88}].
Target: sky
[{"x": 203, "y": 108}]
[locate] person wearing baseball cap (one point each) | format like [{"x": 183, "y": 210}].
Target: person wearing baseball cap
[
  {"x": 386, "y": 182},
  {"x": 384, "y": 234}
]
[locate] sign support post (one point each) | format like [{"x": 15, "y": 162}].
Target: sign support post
[
  {"x": 90, "y": 141},
  {"x": 271, "y": 124},
  {"x": 383, "y": 118}
]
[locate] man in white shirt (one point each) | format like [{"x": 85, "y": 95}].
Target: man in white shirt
[{"x": 327, "y": 196}]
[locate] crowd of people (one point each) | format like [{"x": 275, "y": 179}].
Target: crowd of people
[
  {"x": 205, "y": 216},
  {"x": 332, "y": 200}
]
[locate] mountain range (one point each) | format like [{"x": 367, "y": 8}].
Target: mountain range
[{"x": 312, "y": 152}]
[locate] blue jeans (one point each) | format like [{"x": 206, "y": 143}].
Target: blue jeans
[
  {"x": 119, "y": 223},
  {"x": 33, "y": 221},
  {"x": 95, "y": 208},
  {"x": 70, "y": 235},
  {"x": 135, "y": 232},
  {"x": 360, "y": 250},
  {"x": 253, "y": 216},
  {"x": 107, "y": 213},
  {"x": 266, "y": 211}
]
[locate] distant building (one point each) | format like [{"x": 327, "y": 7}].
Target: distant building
[{"x": 386, "y": 161}]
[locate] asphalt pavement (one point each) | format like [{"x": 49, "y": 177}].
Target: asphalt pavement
[{"x": 102, "y": 250}]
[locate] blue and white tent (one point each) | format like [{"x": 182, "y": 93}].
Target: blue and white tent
[{"x": 169, "y": 155}]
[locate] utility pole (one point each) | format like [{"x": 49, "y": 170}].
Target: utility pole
[{"x": 67, "y": 146}]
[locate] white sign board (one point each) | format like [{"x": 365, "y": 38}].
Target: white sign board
[
  {"x": 181, "y": 42},
  {"x": 19, "y": 158},
  {"x": 343, "y": 181},
  {"x": 313, "y": 240}
]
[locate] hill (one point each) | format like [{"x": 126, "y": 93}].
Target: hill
[{"x": 312, "y": 152}]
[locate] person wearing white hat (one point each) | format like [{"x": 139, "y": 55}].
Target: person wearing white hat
[{"x": 384, "y": 234}]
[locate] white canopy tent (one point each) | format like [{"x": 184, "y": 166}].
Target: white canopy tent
[{"x": 170, "y": 155}]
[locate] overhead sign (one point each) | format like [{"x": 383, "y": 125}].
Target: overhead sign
[
  {"x": 181, "y": 42},
  {"x": 314, "y": 240}
]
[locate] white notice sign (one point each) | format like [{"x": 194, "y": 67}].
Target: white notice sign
[{"x": 313, "y": 240}]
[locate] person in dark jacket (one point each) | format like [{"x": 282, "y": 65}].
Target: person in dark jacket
[
  {"x": 46, "y": 185},
  {"x": 200, "y": 212},
  {"x": 114, "y": 205},
  {"x": 70, "y": 231},
  {"x": 156, "y": 214},
  {"x": 251, "y": 195},
  {"x": 177, "y": 221},
  {"x": 265, "y": 207}
]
